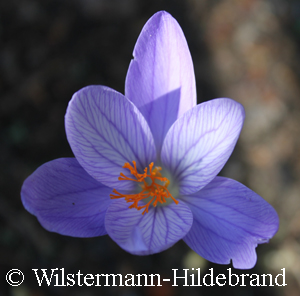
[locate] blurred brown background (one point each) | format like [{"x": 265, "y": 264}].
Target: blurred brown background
[{"x": 244, "y": 49}]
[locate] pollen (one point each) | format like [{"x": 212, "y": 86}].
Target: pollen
[{"x": 154, "y": 188}]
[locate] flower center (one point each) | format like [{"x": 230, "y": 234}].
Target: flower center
[{"x": 154, "y": 187}]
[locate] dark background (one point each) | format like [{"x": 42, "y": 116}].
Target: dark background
[{"x": 244, "y": 49}]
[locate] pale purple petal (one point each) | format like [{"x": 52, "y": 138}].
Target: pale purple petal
[
  {"x": 105, "y": 130},
  {"x": 229, "y": 221},
  {"x": 66, "y": 199},
  {"x": 160, "y": 79},
  {"x": 199, "y": 143},
  {"x": 150, "y": 233}
]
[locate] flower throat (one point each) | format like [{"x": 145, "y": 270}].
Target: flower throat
[{"x": 154, "y": 191}]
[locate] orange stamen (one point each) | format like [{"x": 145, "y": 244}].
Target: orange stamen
[{"x": 156, "y": 192}]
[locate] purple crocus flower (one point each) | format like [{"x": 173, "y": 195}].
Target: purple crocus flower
[{"x": 146, "y": 164}]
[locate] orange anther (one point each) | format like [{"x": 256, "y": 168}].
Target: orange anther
[{"x": 155, "y": 192}]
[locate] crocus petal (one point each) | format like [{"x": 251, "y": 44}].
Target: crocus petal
[
  {"x": 199, "y": 143},
  {"x": 105, "y": 130},
  {"x": 66, "y": 199},
  {"x": 150, "y": 233},
  {"x": 229, "y": 221},
  {"x": 160, "y": 79}
]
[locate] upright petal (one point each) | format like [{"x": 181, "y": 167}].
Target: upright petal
[
  {"x": 150, "y": 233},
  {"x": 66, "y": 199},
  {"x": 160, "y": 79},
  {"x": 199, "y": 143},
  {"x": 105, "y": 130},
  {"x": 229, "y": 221}
]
